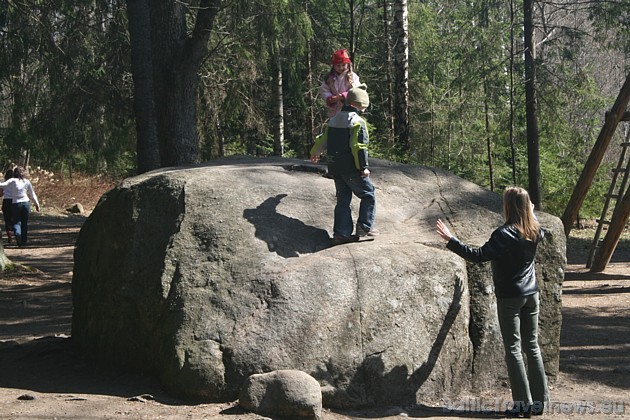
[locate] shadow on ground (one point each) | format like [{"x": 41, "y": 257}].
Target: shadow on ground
[
  {"x": 596, "y": 344},
  {"x": 50, "y": 365}
]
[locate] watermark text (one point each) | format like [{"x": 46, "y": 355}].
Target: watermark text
[{"x": 498, "y": 405}]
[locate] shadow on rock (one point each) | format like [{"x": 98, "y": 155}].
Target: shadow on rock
[
  {"x": 373, "y": 386},
  {"x": 286, "y": 236}
]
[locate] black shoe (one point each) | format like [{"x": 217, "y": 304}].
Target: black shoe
[
  {"x": 537, "y": 408},
  {"x": 519, "y": 412},
  {"x": 338, "y": 240}
]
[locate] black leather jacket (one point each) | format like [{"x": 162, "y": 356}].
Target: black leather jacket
[{"x": 512, "y": 258}]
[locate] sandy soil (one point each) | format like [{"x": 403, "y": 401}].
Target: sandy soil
[{"x": 42, "y": 378}]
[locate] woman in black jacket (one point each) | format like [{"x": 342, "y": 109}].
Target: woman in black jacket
[{"x": 511, "y": 250}]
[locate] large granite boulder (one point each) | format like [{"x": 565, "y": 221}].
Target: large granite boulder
[{"x": 209, "y": 274}]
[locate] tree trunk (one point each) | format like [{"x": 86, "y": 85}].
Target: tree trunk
[
  {"x": 221, "y": 140},
  {"x": 278, "y": 108},
  {"x": 310, "y": 100},
  {"x": 488, "y": 136},
  {"x": 389, "y": 117},
  {"x": 511, "y": 72},
  {"x": 433, "y": 122},
  {"x": 351, "y": 36},
  {"x": 175, "y": 83},
  {"x": 26, "y": 158},
  {"x": 175, "y": 58},
  {"x": 4, "y": 260},
  {"x": 533, "y": 154},
  {"x": 484, "y": 24},
  {"x": 148, "y": 153},
  {"x": 401, "y": 60}
]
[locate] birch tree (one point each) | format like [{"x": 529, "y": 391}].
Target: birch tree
[
  {"x": 401, "y": 64},
  {"x": 278, "y": 99},
  {"x": 389, "y": 108}
]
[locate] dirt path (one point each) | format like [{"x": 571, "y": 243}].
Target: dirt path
[{"x": 41, "y": 376}]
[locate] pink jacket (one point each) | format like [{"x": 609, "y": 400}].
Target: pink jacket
[{"x": 338, "y": 86}]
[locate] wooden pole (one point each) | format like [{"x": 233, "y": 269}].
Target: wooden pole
[
  {"x": 615, "y": 229},
  {"x": 595, "y": 159}
]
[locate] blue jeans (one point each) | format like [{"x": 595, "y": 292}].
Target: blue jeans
[
  {"x": 362, "y": 187},
  {"x": 518, "y": 319},
  {"x": 20, "y": 213}
]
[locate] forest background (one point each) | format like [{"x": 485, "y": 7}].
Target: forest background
[{"x": 68, "y": 83}]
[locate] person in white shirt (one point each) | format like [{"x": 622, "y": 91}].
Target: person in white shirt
[{"x": 20, "y": 189}]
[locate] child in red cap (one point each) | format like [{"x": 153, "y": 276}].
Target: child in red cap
[{"x": 338, "y": 81}]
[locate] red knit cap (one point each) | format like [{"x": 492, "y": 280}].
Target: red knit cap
[{"x": 340, "y": 57}]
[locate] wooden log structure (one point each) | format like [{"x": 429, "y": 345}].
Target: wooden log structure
[
  {"x": 613, "y": 118},
  {"x": 624, "y": 117},
  {"x": 615, "y": 229}
]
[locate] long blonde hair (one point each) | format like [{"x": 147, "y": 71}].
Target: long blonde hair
[{"x": 517, "y": 210}]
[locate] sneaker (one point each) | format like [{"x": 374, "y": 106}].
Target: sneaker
[
  {"x": 338, "y": 240},
  {"x": 361, "y": 231}
]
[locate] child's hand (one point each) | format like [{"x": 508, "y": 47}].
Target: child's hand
[
  {"x": 334, "y": 99},
  {"x": 314, "y": 158}
]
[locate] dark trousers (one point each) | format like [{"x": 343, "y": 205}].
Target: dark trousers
[
  {"x": 20, "y": 221},
  {"x": 518, "y": 319}
]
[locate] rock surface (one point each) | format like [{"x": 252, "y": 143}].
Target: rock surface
[
  {"x": 287, "y": 393},
  {"x": 206, "y": 275},
  {"x": 76, "y": 208}
]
